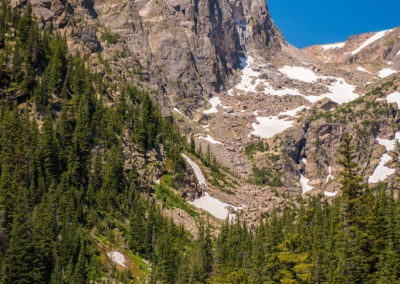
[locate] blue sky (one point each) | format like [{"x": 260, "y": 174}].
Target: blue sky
[{"x": 308, "y": 22}]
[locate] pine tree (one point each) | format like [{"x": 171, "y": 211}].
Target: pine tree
[
  {"x": 19, "y": 255},
  {"x": 351, "y": 182},
  {"x": 43, "y": 237}
]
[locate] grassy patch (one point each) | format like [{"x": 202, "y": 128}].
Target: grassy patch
[{"x": 172, "y": 200}]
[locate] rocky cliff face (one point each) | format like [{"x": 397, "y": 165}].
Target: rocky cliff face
[
  {"x": 184, "y": 50},
  {"x": 190, "y": 47}
]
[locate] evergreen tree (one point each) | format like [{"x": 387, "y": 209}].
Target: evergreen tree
[{"x": 19, "y": 261}]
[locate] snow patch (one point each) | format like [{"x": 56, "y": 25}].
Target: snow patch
[
  {"x": 389, "y": 144},
  {"x": 304, "y": 161},
  {"x": 372, "y": 39},
  {"x": 206, "y": 127},
  {"x": 381, "y": 172},
  {"x": 359, "y": 68},
  {"x": 215, "y": 101},
  {"x": 304, "y": 184},
  {"x": 197, "y": 171},
  {"x": 394, "y": 98},
  {"x": 178, "y": 111},
  {"x": 268, "y": 127},
  {"x": 249, "y": 79},
  {"x": 214, "y": 206},
  {"x": 211, "y": 140},
  {"x": 333, "y": 46},
  {"x": 330, "y": 176},
  {"x": 339, "y": 91},
  {"x": 330, "y": 194},
  {"x": 299, "y": 73},
  {"x": 385, "y": 72},
  {"x": 117, "y": 257}
]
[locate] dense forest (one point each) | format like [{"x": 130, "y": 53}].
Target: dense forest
[{"x": 65, "y": 188}]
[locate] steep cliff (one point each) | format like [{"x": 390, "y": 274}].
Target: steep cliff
[{"x": 184, "y": 50}]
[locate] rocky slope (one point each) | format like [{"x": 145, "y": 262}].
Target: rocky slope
[
  {"x": 373, "y": 53},
  {"x": 271, "y": 114}
]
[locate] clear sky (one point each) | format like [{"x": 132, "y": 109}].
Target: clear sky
[{"x": 309, "y": 22}]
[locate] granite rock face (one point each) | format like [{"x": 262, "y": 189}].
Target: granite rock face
[{"x": 189, "y": 47}]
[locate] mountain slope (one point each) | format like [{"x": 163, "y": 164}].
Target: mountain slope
[
  {"x": 230, "y": 80},
  {"x": 374, "y": 53}
]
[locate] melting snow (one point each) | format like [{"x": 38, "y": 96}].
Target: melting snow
[
  {"x": 267, "y": 127},
  {"x": 385, "y": 72},
  {"x": 394, "y": 98},
  {"x": 117, "y": 257},
  {"x": 206, "y": 127},
  {"x": 178, "y": 111},
  {"x": 217, "y": 208},
  {"x": 330, "y": 194},
  {"x": 339, "y": 91},
  {"x": 207, "y": 202},
  {"x": 363, "y": 70},
  {"x": 330, "y": 176},
  {"x": 304, "y": 184},
  {"x": 215, "y": 101},
  {"x": 333, "y": 46},
  {"x": 372, "y": 39},
  {"x": 304, "y": 161},
  {"x": 197, "y": 171},
  {"x": 389, "y": 144},
  {"x": 210, "y": 139},
  {"x": 381, "y": 172},
  {"x": 299, "y": 73},
  {"x": 248, "y": 75}
]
